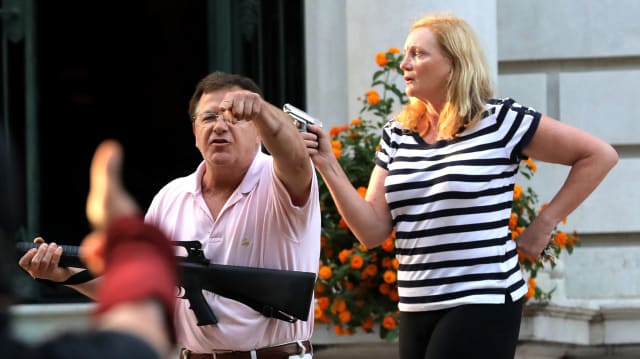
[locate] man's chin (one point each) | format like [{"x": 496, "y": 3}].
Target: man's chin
[{"x": 220, "y": 160}]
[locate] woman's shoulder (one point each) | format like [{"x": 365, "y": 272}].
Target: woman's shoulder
[
  {"x": 501, "y": 102},
  {"x": 507, "y": 103},
  {"x": 394, "y": 127}
]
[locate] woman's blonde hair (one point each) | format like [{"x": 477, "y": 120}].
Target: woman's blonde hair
[{"x": 470, "y": 84}]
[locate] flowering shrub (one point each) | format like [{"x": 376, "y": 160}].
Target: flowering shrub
[{"x": 356, "y": 287}]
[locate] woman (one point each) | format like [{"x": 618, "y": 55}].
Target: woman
[{"x": 443, "y": 180}]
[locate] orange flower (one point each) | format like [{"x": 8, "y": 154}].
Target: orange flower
[
  {"x": 356, "y": 121},
  {"x": 389, "y": 323},
  {"x": 338, "y": 329},
  {"x": 389, "y": 276},
  {"x": 395, "y": 263},
  {"x": 342, "y": 256},
  {"x": 561, "y": 239},
  {"x": 367, "y": 324},
  {"x": 345, "y": 316},
  {"x": 342, "y": 224},
  {"x": 381, "y": 59},
  {"x": 573, "y": 238},
  {"x": 317, "y": 312},
  {"x": 334, "y": 131},
  {"x": 531, "y": 164},
  {"x": 387, "y": 245},
  {"x": 394, "y": 50},
  {"x": 362, "y": 247},
  {"x": 372, "y": 97},
  {"x": 362, "y": 191},
  {"x": 325, "y": 272},
  {"x": 320, "y": 287},
  {"x": 323, "y": 302},
  {"x": 517, "y": 191},
  {"x": 384, "y": 289},
  {"x": 325, "y": 319},
  {"x": 339, "y": 305},
  {"x": 336, "y": 146},
  {"x": 356, "y": 262},
  {"x": 370, "y": 270},
  {"x": 513, "y": 221},
  {"x": 531, "y": 289},
  {"x": 521, "y": 256}
]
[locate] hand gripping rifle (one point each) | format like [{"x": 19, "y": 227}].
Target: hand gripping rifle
[{"x": 275, "y": 293}]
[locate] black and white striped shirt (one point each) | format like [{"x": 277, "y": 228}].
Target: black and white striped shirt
[{"x": 450, "y": 202}]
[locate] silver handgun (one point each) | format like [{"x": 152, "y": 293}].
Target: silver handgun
[{"x": 300, "y": 118}]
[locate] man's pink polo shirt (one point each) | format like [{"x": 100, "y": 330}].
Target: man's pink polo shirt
[{"x": 257, "y": 227}]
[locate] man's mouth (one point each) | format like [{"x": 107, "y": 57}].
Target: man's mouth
[{"x": 219, "y": 142}]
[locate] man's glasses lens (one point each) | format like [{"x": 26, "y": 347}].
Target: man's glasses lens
[{"x": 207, "y": 119}]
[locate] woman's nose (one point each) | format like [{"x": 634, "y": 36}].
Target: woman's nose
[{"x": 405, "y": 64}]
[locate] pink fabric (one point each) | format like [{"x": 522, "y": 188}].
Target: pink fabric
[{"x": 259, "y": 227}]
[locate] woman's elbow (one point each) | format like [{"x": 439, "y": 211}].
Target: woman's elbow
[
  {"x": 373, "y": 239},
  {"x": 609, "y": 156}
]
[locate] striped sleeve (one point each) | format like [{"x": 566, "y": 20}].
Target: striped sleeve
[{"x": 523, "y": 122}]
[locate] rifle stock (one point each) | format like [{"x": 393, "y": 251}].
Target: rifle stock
[{"x": 280, "y": 294}]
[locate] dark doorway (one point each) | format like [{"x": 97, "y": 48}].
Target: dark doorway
[
  {"x": 126, "y": 70},
  {"x": 109, "y": 71}
]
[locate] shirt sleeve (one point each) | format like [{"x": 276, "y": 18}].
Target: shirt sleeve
[
  {"x": 384, "y": 154},
  {"x": 520, "y": 123}
]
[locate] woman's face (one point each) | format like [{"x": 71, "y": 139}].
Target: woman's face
[{"x": 427, "y": 70}]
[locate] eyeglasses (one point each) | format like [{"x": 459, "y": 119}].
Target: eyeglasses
[{"x": 208, "y": 119}]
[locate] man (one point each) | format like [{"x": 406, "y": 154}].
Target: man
[{"x": 246, "y": 208}]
